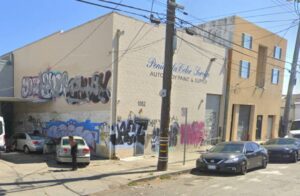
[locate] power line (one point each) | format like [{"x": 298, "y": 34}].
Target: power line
[
  {"x": 112, "y": 8},
  {"x": 218, "y": 56},
  {"x": 82, "y": 42},
  {"x": 245, "y": 11},
  {"x": 233, "y": 43},
  {"x": 128, "y": 6}
]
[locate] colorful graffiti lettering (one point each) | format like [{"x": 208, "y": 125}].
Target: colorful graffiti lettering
[
  {"x": 76, "y": 90},
  {"x": 195, "y": 133},
  {"x": 87, "y": 129}
]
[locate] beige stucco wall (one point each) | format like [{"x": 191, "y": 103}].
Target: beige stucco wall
[
  {"x": 137, "y": 83},
  {"x": 266, "y": 100},
  {"x": 80, "y": 52}
]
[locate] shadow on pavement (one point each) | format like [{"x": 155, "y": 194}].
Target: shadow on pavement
[
  {"x": 196, "y": 172},
  {"x": 31, "y": 185},
  {"x": 22, "y": 158}
]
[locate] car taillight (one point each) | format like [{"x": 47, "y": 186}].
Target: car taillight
[
  {"x": 86, "y": 150},
  {"x": 35, "y": 142}
]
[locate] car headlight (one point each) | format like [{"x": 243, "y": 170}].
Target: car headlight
[
  {"x": 289, "y": 150},
  {"x": 232, "y": 160}
]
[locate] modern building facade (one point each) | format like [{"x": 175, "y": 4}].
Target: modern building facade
[
  {"x": 102, "y": 81},
  {"x": 256, "y": 60}
]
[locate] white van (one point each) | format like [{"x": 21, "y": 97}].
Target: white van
[
  {"x": 2, "y": 134},
  {"x": 295, "y": 129}
]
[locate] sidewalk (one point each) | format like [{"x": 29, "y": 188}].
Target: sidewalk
[{"x": 47, "y": 178}]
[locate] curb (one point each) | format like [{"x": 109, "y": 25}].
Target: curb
[{"x": 173, "y": 173}]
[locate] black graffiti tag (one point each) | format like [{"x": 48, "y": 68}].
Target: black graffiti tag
[
  {"x": 129, "y": 132},
  {"x": 88, "y": 89}
]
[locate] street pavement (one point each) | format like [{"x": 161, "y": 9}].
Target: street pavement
[
  {"x": 277, "y": 179},
  {"x": 37, "y": 174}
]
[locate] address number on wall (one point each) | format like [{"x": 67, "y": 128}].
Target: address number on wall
[{"x": 142, "y": 103}]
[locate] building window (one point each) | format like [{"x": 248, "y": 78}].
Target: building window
[
  {"x": 277, "y": 52},
  {"x": 275, "y": 76},
  {"x": 247, "y": 41},
  {"x": 245, "y": 69}
]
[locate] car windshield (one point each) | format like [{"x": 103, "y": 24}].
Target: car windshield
[
  {"x": 295, "y": 125},
  {"x": 80, "y": 142},
  {"x": 228, "y": 148},
  {"x": 36, "y": 137},
  {"x": 281, "y": 141}
]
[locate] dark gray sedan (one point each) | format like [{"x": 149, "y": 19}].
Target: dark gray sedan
[
  {"x": 236, "y": 157},
  {"x": 283, "y": 149}
]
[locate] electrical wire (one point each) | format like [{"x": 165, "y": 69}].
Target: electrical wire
[
  {"x": 245, "y": 11},
  {"x": 81, "y": 42},
  {"x": 112, "y": 8},
  {"x": 228, "y": 41}
]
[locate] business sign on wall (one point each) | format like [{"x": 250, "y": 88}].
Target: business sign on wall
[{"x": 181, "y": 72}]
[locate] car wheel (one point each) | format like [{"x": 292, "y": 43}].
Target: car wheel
[
  {"x": 243, "y": 168},
  {"x": 295, "y": 157},
  {"x": 26, "y": 150},
  {"x": 264, "y": 163},
  {"x": 86, "y": 164}
]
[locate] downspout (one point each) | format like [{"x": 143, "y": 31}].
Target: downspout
[{"x": 115, "y": 67}]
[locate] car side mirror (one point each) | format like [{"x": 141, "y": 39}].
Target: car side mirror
[{"x": 249, "y": 151}]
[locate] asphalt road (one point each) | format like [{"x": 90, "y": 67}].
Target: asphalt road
[{"x": 277, "y": 179}]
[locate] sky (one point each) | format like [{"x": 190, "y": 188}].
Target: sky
[{"x": 22, "y": 22}]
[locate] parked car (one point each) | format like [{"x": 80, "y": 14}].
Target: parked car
[
  {"x": 28, "y": 142},
  {"x": 295, "y": 129},
  {"x": 283, "y": 149},
  {"x": 236, "y": 157},
  {"x": 63, "y": 151},
  {"x": 49, "y": 145}
]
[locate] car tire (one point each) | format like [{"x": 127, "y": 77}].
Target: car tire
[
  {"x": 295, "y": 158},
  {"x": 243, "y": 168},
  {"x": 85, "y": 164},
  {"x": 26, "y": 150},
  {"x": 264, "y": 163}
]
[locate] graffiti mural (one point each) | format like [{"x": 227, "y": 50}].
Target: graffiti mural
[
  {"x": 130, "y": 133},
  {"x": 173, "y": 133},
  {"x": 76, "y": 90},
  {"x": 195, "y": 133},
  {"x": 91, "y": 89},
  {"x": 88, "y": 130},
  {"x": 47, "y": 85},
  {"x": 155, "y": 140}
]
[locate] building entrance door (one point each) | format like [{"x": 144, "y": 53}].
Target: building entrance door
[
  {"x": 212, "y": 118},
  {"x": 258, "y": 127},
  {"x": 243, "y": 123}
]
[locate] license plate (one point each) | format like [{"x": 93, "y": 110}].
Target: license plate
[{"x": 211, "y": 167}]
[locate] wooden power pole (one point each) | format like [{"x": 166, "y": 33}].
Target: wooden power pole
[{"x": 162, "y": 164}]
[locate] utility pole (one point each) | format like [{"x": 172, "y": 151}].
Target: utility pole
[
  {"x": 291, "y": 84},
  {"x": 162, "y": 164}
]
